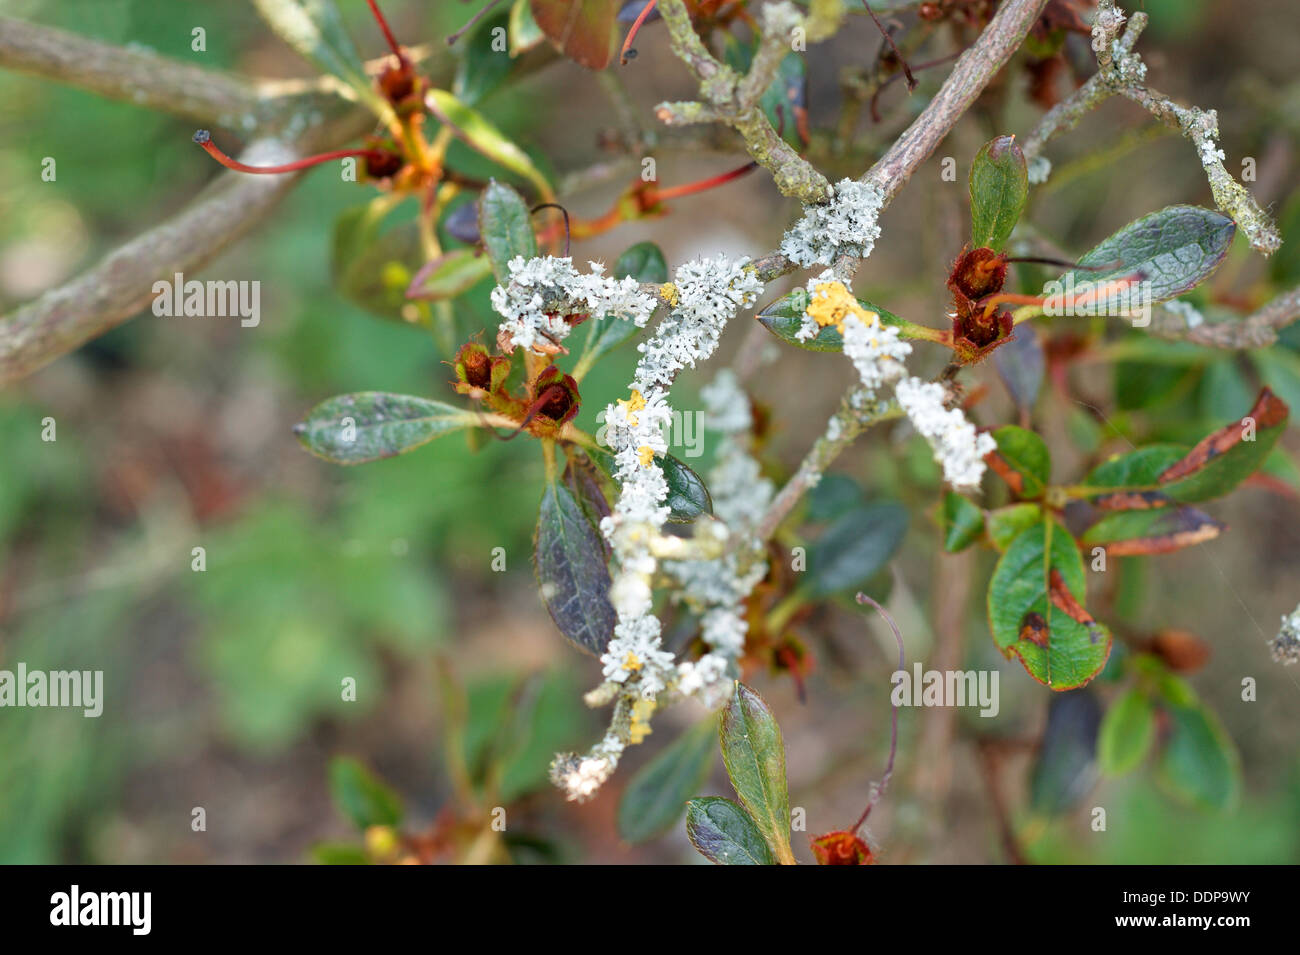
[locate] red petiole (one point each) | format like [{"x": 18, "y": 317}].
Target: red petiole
[{"x": 204, "y": 139}]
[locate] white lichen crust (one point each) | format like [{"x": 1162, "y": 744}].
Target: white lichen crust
[
  {"x": 1285, "y": 647},
  {"x": 844, "y": 226}
]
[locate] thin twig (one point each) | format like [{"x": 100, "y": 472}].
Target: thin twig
[{"x": 879, "y": 790}]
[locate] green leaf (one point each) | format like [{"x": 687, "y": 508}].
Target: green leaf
[
  {"x": 832, "y": 496},
  {"x": 963, "y": 523},
  {"x": 688, "y": 497},
  {"x": 999, "y": 186},
  {"x": 1040, "y": 572},
  {"x": 361, "y": 796},
  {"x": 338, "y": 853},
  {"x": 1136, "y": 469},
  {"x": 1176, "y": 249},
  {"x": 315, "y": 29},
  {"x": 1199, "y": 762},
  {"x": 450, "y": 275},
  {"x": 1127, "y": 732},
  {"x": 657, "y": 795},
  {"x": 583, "y": 30},
  {"x": 724, "y": 834},
  {"x": 643, "y": 262},
  {"x": 369, "y": 425},
  {"x": 784, "y": 317},
  {"x": 569, "y": 558},
  {"x": 373, "y": 266},
  {"x": 755, "y": 759},
  {"x": 1157, "y": 530},
  {"x": 1006, "y": 523},
  {"x": 524, "y": 31},
  {"x": 1022, "y": 460},
  {"x": 481, "y": 68},
  {"x": 852, "y": 548},
  {"x": 505, "y": 227},
  {"x": 476, "y": 131},
  {"x": 1065, "y": 768}
]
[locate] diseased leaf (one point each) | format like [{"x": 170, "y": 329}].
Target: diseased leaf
[
  {"x": 657, "y": 795},
  {"x": 1126, "y": 733},
  {"x": 963, "y": 523},
  {"x": 361, "y": 796},
  {"x": 475, "y": 130},
  {"x": 1022, "y": 460},
  {"x": 643, "y": 262},
  {"x": 999, "y": 186},
  {"x": 852, "y": 548},
  {"x": 449, "y": 275},
  {"x": 1036, "y": 613},
  {"x": 1198, "y": 761},
  {"x": 688, "y": 497},
  {"x": 724, "y": 834},
  {"x": 583, "y": 30},
  {"x": 1152, "y": 531},
  {"x": 784, "y": 317},
  {"x": 369, "y": 425},
  {"x": 569, "y": 557},
  {"x": 505, "y": 228},
  {"x": 1066, "y": 767},
  {"x": 1175, "y": 249},
  {"x": 754, "y": 755},
  {"x": 1222, "y": 460}
]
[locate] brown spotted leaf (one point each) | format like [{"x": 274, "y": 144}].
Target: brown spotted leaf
[{"x": 1158, "y": 531}]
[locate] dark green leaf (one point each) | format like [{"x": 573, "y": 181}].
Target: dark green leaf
[
  {"x": 583, "y": 30},
  {"x": 505, "y": 227},
  {"x": 755, "y": 759},
  {"x": 1199, "y": 762},
  {"x": 1022, "y": 460},
  {"x": 1006, "y": 523},
  {"x": 724, "y": 834},
  {"x": 963, "y": 523},
  {"x": 1126, "y": 733},
  {"x": 485, "y": 59},
  {"x": 855, "y": 546},
  {"x": 656, "y": 796},
  {"x": 1065, "y": 768},
  {"x": 834, "y": 494},
  {"x": 1136, "y": 469},
  {"x": 569, "y": 557},
  {"x": 361, "y": 796},
  {"x": 1175, "y": 249},
  {"x": 999, "y": 186},
  {"x": 369, "y": 425},
  {"x": 1035, "y": 603},
  {"x": 688, "y": 497}
]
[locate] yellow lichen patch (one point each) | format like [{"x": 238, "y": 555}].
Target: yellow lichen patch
[
  {"x": 639, "y": 728},
  {"x": 646, "y": 455},
  {"x": 669, "y": 292},
  {"x": 632, "y": 663},
  {"x": 632, "y": 406},
  {"x": 832, "y": 302}
]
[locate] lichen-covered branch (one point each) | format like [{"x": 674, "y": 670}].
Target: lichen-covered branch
[
  {"x": 1258, "y": 330},
  {"x": 1122, "y": 73}
]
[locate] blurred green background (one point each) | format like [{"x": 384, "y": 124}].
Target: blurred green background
[{"x": 222, "y": 687}]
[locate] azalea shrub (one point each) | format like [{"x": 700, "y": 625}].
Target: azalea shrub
[{"x": 685, "y": 588}]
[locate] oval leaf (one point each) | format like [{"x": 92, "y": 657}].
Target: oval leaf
[
  {"x": 999, "y": 185},
  {"x": 855, "y": 546},
  {"x": 505, "y": 227},
  {"x": 1066, "y": 768},
  {"x": 1035, "y": 609},
  {"x": 688, "y": 497},
  {"x": 963, "y": 523},
  {"x": 1126, "y": 733},
  {"x": 723, "y": 834},
  {"x": 754, "y": 755},
  {"x": 583, "y": 30},
  {"x": 449, "y": 275},
  {"x": 1022, "y": 460},
  {"x": 369, "y": 425},
  {"x": 482, "y": 68},
  {"x": 656, "y": 796},
  {"x": 569, "y": 557},
  {"x": 1199, "y": 762},
  {"x": 1175, "y": 249},
  {"x": 361, "y": 796}
]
